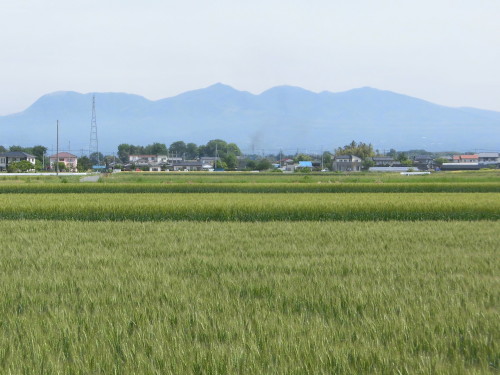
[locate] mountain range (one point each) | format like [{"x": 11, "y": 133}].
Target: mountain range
[{"x": 283, "y": 117}]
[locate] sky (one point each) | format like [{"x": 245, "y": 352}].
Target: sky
[{"x": 443, "y": 51}]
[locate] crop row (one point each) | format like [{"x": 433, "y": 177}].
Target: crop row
[
  {"x": 56, "y": 188},
  {"x": 251, "y": 207}
]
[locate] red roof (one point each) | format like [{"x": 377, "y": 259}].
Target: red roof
[
  {"x": 469, "y": 157},
  {"x": 63, "y": 155}
]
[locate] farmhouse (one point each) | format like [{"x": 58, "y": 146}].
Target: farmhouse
[
  {"x": 384, "y": 161},
  {"x": 488, "y": 158},
  {"x": 191, "y": 166},
  {"x": 423, "y": 161},
  {"x": 7, "y": 158},
  {"x": 70, "y": 161},
  {"x": 347, "y": 163},
  {"x": 465, "y": 158}
]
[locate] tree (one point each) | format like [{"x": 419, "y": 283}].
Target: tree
[
  {"x": 39, "y": 151},
  {"x": 407, "y": 163},
  {"x": 360, "y": 149},
  {"x": 191, "y": 151},
  {"x": 16, "y": 148},
  {"x": 302, "y": 157},
  {"x": 124, "y": 152},
  {"x": 231, "y": 161},
  {"x": 251, "y": 165},
  {"x": 263, "y": 165},
  {"x": 327, "y": 159},
  {"x": 214, "y": 145},
  {"x": 20, "y": 166},
  {"x": 367, "y": 163},
  {"x": 38, "y": 165},
  {"x": 402, "y": 157},
  {"x": 96, "y": 158},
  {"x": 3, "y": 149},
  {"x": 178, "y": 148},
  {"x": 83, "y": 164},
  {"x": 232, "y": 148},
  {"x": 393, "y": 153},
  {"x": 62, "y": 166},
  {"x": 156, "y": 149},
  {"x": 440, "y": 161}
]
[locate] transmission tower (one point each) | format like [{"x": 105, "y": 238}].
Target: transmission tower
[{"x": 94, "y": 144}]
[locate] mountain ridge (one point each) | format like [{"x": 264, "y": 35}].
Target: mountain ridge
[{"x": 284, "y": 116}]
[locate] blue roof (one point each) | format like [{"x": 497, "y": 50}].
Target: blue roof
[{"x": 305, "y": 164}]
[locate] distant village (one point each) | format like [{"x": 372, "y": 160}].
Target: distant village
[{"x": 218, "y": 155}]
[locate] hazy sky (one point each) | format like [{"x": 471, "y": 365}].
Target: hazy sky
[{"x": 444, "y": 51}]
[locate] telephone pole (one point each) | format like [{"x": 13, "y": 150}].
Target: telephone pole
[
  {"x": 57, "y": 149},
  {"x": 94, "y": 144}
]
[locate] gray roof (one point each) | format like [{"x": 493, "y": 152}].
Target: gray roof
[
  {"x": 17, "y": 154},
  {"x": 488, "y": 154},
  {"x": 188, "y": 164},
  {"x": 423, "y": 157},
  {"x": 383, "y": 158},
  {"x": 350, "y": 157}
]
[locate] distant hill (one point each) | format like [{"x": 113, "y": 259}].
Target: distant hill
[{"x": 281, "y": 117}]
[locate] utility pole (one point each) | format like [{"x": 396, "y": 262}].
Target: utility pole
[
  {"x": 94, "y": 144},
  {"x": 57, "y": 149}
]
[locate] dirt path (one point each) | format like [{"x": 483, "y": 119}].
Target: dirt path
[{"x": 93, "y": 178}]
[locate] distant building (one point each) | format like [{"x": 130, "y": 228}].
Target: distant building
[
  {"x": 384, "y": 161},
  {"x": 154, "y": 162},
  {"x": 467, "y": 166},
  {"x": 423, "y": 162},
  {"x": 70, "y": 161},
  {"x": 191, "y": 166},
  {"x": 488, "y": 158},
  {"x": 465, "y": 158},
  {"x": 10, "y": 157},
  {"x": 347, "y": 163},
  {"x": 305, "y": 164}
]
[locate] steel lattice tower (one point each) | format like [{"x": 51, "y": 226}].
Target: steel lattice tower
[{"x": 94, "y": 144}]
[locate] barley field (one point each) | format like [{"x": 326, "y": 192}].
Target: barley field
[
  {"x": 245, "y": 274},
  {"x": 249, "y": 298}
]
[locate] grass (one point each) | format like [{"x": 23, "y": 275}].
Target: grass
[
  {"x": 245, "y": 177},
  {"x": 249, "y": 298},
  {"x": 252, "y": 207},
  {"x": 319, "y": 187}
]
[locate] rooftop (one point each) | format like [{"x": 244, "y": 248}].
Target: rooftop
[
  {"x": 63, "y": 155},
  {"x": 17, "y": 154}
]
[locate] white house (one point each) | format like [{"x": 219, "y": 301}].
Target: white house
[{"x": 10, "y": 157}]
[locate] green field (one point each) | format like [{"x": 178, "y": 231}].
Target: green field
[
  {"x": 249, "y": 298},
  {"x": 251, "y": 207},
  {"x": 250, "y": 274}
]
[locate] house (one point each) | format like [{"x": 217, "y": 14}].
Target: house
[
  {"x": 465, "y": 158},
  {"x": 347, "y": 163},
  {"x": 488, "y": 158},
  {"x": 146, "y": 159},
  {"x": 70, "y": 161},
  {"x": 423, "y": 162},
  {"x": 384, "y": 161},
  {"x": 154, "y": 162},
  {"x": 305, "y": 164},
  {"x": 10, "y": 157},
  {"x": 191, "y": 166}
]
